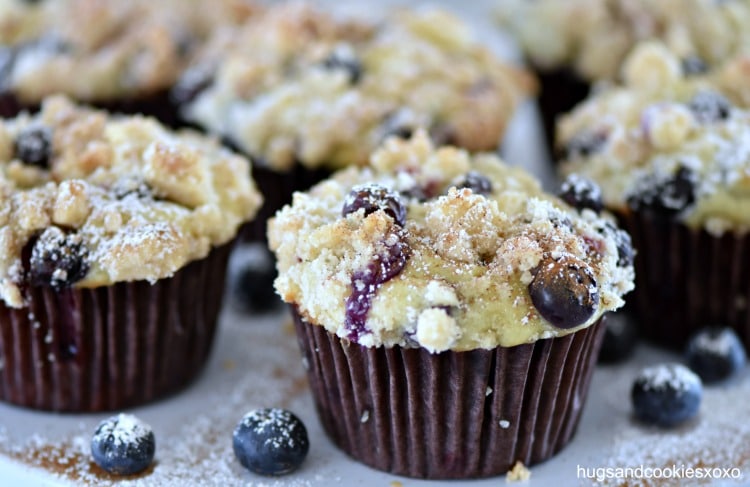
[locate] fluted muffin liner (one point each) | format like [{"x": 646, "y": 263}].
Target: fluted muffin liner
[
  {"x": 561, "y": 90},
  {"x": 156, "y": 105},
  {"x": 452, "y": 415},
  {"x": 113, "y": 347},
  {"x": 277, "y": 189},
  {"x": 687, "y": 279}
]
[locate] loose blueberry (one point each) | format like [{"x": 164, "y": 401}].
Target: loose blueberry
[
  {"x": 270, "y": 441},
  {"x": 57, "y": 260},
  {"x": 664, "y": 197},
  {"x": 123, "y": 445},
  {"x": 365, "y": 284},
  {"x": 33, "y": 146},
  {"x": 192, "y": 83},
  {"x": 344, "y": 59},
  {"x": 710, "y": 107},
  {"x": 580, "y": 193},
  {"x": 693, "y": 65},
  {"x": 585, "y": 144},
  {"x": 373, "y": 197},
  {"x": 620, "y": 338},
  {"x": 666, "y": 394},
  {"x": 476, "y": 182},
  {"x": 715, "y": 354},
  {"x": 251, "y": 273},
  {"x": 564, "y": 292}
]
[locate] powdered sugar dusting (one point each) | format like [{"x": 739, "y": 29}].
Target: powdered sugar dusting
[
  {"x": 676, "y": 376},
  {"x": 124, "y": 429}
]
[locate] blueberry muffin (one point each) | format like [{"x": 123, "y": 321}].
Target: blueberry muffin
[
  {"x": 574, "y": 44},
  {"x": 113, "y": 243},
  {"x": 118, "y": 55},
  {"x": 303, "y": 92},
  {"x": 448, "y": 310},
  {"x": 670, "y": 152}
]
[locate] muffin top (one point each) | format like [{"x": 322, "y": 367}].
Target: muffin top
[
  {"x": 99, "y": 50},
  {"x": 434, "y": 248},
  {"x": 672, "y": 144},
  {"x": 299, "y": 85},
  {"x": 89, "y": 199},
  {"x": 592, "y": 37}
]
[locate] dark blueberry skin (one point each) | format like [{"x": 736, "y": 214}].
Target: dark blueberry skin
[
  {"x": 710, "y": 107},
  {"x": 666, "y": 395},
  {"x": 270, "y": 442},
  {"x": 476, "y": 182},
  {"x": 665, "y": 198},
  {"x": 373, "y": 197},
  {"x": 33, "y": 146},
  {"x": 57, "y": 260},
  {"x": 625, "y": 251},
  {"x": 345, "y": 62},
  {"x": 620, "y": 338},
  {"x": 715, "y": 354},
  {"x": 122, "y": 445},
  {"x": 564, "y": 292},
  {"x": 365, "y": 284},
  {"x": 693, "y": 65},
  {"x": 581, "y": 193},
  {"x": 585, "y": 144},
  {"x": 252, "y": 288}
]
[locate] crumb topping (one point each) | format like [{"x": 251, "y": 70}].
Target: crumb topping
[
  {"x": 89, "y": 199},
  {"x": 592, "y": 37},
  {"x": 98, "y": 50},
  {"x": 456, "y": 274},
  {"x": 298, "y": 85},
  {"x": 668, "y": 142}
]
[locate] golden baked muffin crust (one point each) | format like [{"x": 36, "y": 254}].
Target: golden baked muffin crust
[
  {"x": 435, "y": 248},
  {"x": 95, "y": 50},
  {"x": 668, "y": 142},
  {"x": 298, "y": 85},
  {"x": 88, "y": 199},
  {"x": 593, "y": 36}
]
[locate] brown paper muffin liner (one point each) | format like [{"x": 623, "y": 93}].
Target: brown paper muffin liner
[
  {"x": 561, "y": 90},
  {"x": 277, "y": 189},
  {"x": 687, "y": 279},
  {"x": 156, "y": 105},
  {"x": 453, "y": 415},
  {"x": 114, "y": 347}
]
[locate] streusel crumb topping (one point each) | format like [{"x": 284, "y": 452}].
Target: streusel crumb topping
[
  {"x": 89, "y": 199},
  {"x": 435, "y": 248}
]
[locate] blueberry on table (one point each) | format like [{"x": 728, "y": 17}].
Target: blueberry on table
[
  {"x": 581, "y": 193},
  {"x": 123, "y": 445},
  {"x": 373, "y": 197},
  {"x": 33, "y": 146},
  {"x": 270, "y": 441},
  {"x": 715, "y": 354},
  {"x": 252, "y": 288},
  {"x": 564, "y": 292},
  {"x": 620, "y": 338},
  {"x": 666, "y": 394}
]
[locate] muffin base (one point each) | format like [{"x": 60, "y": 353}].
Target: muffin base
[
  {"x": 562, "y": 90},
  {"x": 156, "y": 105},
  {"x": 114, "y": 347},
  {"x": 453, "y": 415},
  {"x": 687, "y": 279}
]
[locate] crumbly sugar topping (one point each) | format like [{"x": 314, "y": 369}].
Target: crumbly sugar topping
[
  {"x": 592, "y": 37},
  {"x": 455, "y": 274},
  {"x": 668, "y": 141},
  {"x": 297, "y": 84},
  {"x": 97, "y": 199},
  {"x": 96, "y": 50}
]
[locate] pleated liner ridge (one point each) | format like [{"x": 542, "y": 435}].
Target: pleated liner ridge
[
  {"x": 688, "y": 279},
  {"x": 108, "y": 348},
  {"x": 453, "y": 415}
]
